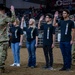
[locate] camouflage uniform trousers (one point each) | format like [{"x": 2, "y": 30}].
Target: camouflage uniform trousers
[
  {"x": 73, "y": 53},
  {"x": 3, "y": 52}
]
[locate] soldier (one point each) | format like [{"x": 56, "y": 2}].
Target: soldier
[{"x": 4, "y": 19}]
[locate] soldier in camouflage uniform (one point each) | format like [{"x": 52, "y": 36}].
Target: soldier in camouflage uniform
[{"x": 4, "y": 34}]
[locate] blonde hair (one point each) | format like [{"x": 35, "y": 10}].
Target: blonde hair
[
  {"x": 17, "y": 21},
  {"x": 34, "y": 23}
]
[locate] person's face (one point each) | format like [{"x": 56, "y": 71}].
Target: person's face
[
  {"x": 72, "y": 18},
  {"x": 2, "y": 11},
  {"x": 30, "y": 22},
  {"x": 47, "y": 19},
  {"x": 14, "y": 23},
  {"x": 65, "y": 14}
]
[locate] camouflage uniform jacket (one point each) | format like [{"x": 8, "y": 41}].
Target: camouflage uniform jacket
[{"x": 4, "y": 26}]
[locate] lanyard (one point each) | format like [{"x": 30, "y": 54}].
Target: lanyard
[
  {"x": 16, "y": 33},
  {"x": 66, "y": 31},
  {"x": 48, "y": 32},
  {"x": 32, "y": 33}
]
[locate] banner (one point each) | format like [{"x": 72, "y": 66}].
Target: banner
[{"x": 65, "y": 2}]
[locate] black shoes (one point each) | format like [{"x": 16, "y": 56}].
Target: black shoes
[
  {"x": 31, "y": 67},
  {"x": 65, "y": 69},
  {"x": 45, "y": 67}
]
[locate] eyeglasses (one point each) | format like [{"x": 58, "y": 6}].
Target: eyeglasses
[
  {"x": 46, "y": 17},
  {"x": 64, "y": 13}
]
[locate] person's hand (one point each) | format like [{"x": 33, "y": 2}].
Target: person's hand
[
  {"x": 53, "y": 45},
  {"x": 12, "y": 8},
  {"x": 20, "y": 44},
  {"x": 71, "y": 42},
  {"x": 41, "y": 18},
  {"x": 22, "y": 19},
  {"x": 56, "y": 14},
  {"x": 36, "y": 45}
]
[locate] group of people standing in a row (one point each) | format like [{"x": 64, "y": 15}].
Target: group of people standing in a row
[
  {"x": 16, "y": 34},
  {"x": 67, "y": 38}
]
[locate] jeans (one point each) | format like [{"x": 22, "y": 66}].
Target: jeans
[
  {"x": 48, "y": 53},
  {"x": 16, "y": 52},
  {"x": 32, "y": 53},
  {"x": 66, "y": 53}
]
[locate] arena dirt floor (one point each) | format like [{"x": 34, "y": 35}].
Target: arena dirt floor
[{"x": 40, "y": 62}]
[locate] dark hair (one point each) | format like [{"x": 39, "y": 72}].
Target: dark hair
[
  {"x": 49, "y": 15},
  {"x": 2, "y": 7},
  {"x": 67, "y": 11}
]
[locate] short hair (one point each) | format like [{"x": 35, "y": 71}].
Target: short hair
[
  {"x": 67, "y": 11},
  {"x": 2, "y": 7},
  {"x": 49, "y": 15},
  {"x": 17, "y": 21}
]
